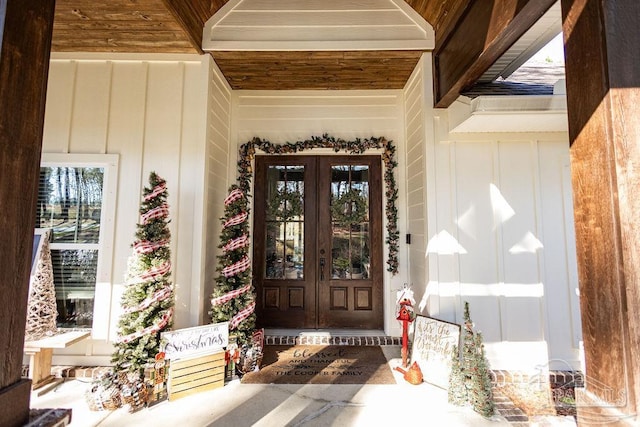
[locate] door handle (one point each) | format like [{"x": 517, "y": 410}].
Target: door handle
[{"x": 321, "y": 268}]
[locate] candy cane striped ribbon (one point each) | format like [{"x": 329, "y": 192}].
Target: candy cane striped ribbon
[
  {"x": 233, "y": 196},
  {"x": 238, "y": 267},
  {"x": 156, "y": 273},
  {"x": 160, "y": 295},
  {"x": 146, "y": 246},
  {"x": 164, "y": 321},
  {"x": 235, "y": 220},
  {"x": 242, "y": 314},
  {"x": 230, "y": 295},
  {"x": 157, "y": 190},
  {"x": 236, "y": 243},
  {"x": 157, "y": 212}
]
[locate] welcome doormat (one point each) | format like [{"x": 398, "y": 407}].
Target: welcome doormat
[{"x": 317, "y": 364}]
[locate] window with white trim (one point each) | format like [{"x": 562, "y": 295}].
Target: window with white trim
[{"x": 75, "y": 201}]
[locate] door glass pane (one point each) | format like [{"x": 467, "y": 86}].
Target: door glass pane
[
  {"x": 350, "y": 222},
  {"x": 284, "y": 222}
]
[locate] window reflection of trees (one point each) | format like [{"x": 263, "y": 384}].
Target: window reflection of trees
[
  {"x": 70, "y": 203},
  {"x": 350, "y": 245}
]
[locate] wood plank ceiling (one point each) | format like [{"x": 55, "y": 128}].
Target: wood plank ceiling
[
  {"x": 175, "y": 26},
  {"x": 158, "y": 26}
]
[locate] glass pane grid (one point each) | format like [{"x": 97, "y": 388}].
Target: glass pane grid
[
  {"x": 285, "y": 223},
  {"x": 350, "y": 222}
]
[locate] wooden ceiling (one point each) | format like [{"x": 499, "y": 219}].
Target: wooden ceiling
[
  {"x": 175, "y": 26},
  {"x": 158, "y": 26}
]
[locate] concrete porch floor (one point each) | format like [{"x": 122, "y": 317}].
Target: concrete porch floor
[{"x": 239, "y": 405}]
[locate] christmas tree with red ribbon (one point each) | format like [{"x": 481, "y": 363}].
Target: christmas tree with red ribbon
[
  {"x": 233, "y": 298},
  {"x": 148, "y": 299}
]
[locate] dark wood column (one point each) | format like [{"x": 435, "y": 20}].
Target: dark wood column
[
  {"x": 603, "y": 93},
  {"x": 25, "y": 43}
]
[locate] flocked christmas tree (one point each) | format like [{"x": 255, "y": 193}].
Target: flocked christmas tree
[
  {"x": 233, "y": 298},
  {"x": 457, "y": 392},
  {"x": 148, "y": 298},
  {"x": 470, "y": 381},
  {"x": 480, "y": 392}
]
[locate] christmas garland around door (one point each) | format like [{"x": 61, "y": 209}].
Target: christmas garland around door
[{"x": 359, "y": 146}]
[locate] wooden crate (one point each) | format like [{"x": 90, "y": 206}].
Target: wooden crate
[{"x": 195, "y": 374}]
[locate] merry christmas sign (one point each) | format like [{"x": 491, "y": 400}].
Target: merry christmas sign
[
  {"x": 190, "y": 341},
  {"x": 433, "y": 345}
]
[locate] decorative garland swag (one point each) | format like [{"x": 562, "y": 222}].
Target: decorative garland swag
[{"x": 359, "y": 146}]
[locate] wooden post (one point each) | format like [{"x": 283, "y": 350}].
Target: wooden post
[
  {"x": 603, "y": 95},
  {"x": 25, "y": 44}
]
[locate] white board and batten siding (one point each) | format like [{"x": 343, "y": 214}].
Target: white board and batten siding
[
  {"x": 416, "y": 103},
  {"x": 499, "y": 234},
  {"x": 509, "y": 220},
  {"x": 151, "y": 111},
  {"x": 290, "y": 116},
  {"x": 220, "y": 173},
  {"x": 317, "y": 25}
]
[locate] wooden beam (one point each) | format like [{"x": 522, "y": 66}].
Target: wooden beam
[
  {"x": 26, "y": 27},
  {"x": 603, "y": 94},
  {"x": 485, "y": 31},
  {"x": 191, "y": 15}
]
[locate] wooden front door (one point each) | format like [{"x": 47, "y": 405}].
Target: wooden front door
[{"x": 317, "y": 260}]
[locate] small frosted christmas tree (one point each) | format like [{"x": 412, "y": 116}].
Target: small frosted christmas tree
[
  {"x": 148, "y": 299},
  {"x": 480, "y": 394},
  {"x": 233, "y": 298},
  {"x": 457, "y": 391},
  {"x": 470, "y": 381}
]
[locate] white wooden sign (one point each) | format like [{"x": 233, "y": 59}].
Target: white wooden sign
[
  {"x": 190, "y": 341},
  {"x": 432, "y": 348}
]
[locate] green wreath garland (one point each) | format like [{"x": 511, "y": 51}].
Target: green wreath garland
[
  {"x": 285, "y": 205},
  {"x": 358, "y": 146},
  {"x": 349, "y": 208}
]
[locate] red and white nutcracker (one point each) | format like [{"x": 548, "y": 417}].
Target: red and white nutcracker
[{"x": 405, "y": 315}]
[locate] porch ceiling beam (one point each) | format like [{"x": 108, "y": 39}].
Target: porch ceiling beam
[
  {"x": 485, "y": 30},
  {"x": 191, "y": 15}
]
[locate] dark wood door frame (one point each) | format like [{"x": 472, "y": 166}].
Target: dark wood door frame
[{"x": 362, "y": 298}]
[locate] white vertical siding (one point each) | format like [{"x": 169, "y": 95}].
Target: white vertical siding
[
  {"x": 415, "y": 106},
  {"x": 218, "y": 171},
  {"x": 507, "y": 207},
  {"x": 152, "y": 112}
]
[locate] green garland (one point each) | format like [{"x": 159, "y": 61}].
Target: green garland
[
  {"x": 359, "y": 146},
  {"x": 349, "y": 209}
]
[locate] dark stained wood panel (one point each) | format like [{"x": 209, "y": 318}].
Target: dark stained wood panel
[
  {"x": 483, "y": 33},
  {"x": 441, "y": 14},
  {"x": 603, "y": 91},
  {"x": 25, "y": 44},
  {"x": 191, "y": 15},
  {"x": 317, "y": 70},
  {"x": 137, "y": 26}
]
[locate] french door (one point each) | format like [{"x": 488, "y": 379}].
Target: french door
[{"x": 317, "y": 260}]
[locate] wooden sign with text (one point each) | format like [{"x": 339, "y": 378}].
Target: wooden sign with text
[
  {"x": 432, "y": 348},
  {"x": 190, "y": 341}
]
